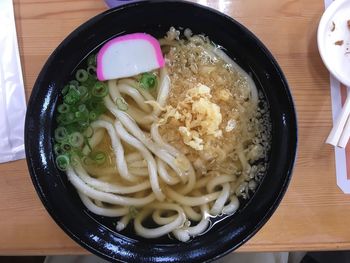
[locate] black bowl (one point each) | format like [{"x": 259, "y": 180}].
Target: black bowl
[{"x": 155, "y": 17}]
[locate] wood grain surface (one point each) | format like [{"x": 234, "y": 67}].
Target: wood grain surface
[{"x": 314, "y": 213}]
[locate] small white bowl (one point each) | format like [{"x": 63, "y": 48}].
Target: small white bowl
[{"x": 332, "y": 29}]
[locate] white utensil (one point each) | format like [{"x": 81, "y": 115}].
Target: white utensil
[{"x": 342, "y": 122}]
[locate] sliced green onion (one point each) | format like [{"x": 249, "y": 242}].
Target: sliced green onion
[
  {"x": 60, "y": 134},
  {"x": 76, "y": 139},
  {"x": 63, "y": 108},
  {"x": 72, "y": 127},
  {"x": 84, "y": 123},
  {"x": 97, "y": 106},
  {"x": 73, "y": 108},
  {"x": 82, "y": 114},
  {"x": 68, "y": 118},
  {"x": 66, "y": 147},
  {"x": 60, "y": 118},
  {"x": 92, "y": 115},
  {"x": 100, "y": 90},
  {"x": 93, "y": 104},
  {"x": 90, "y": 82},
  {"x": 121, "y": 104},
  {"x": 74, "y": 160},
  {"x": 82, "y": 117},
  {"x": 89, "y": 132},
  {"x": 65, "y": 90},
  {"x": 74, "y": 83},
  {"x": 82, "y": 108},
  {"x": 82, "y": 104},
  {"x": 148, "y": 80},
  {"x": 87, "y": 161},
  {"x": 91, "y": 70},
  {"x": 81, "y": 75},
  {"x": 73, "y": 96},
  {"x": 82, "y": 90},
  {"x": 62, "y": 162},
  {"x": 57, "y": 149},
  {"x": 91, "y": 61},
  {"x": 99, "y": 157}
]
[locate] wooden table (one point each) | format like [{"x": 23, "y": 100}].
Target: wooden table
[{"x": 313, "y": 215}]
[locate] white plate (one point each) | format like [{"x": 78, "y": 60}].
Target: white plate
[{"x": 332, "y": 28}]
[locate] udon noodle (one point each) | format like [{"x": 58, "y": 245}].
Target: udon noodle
[{"x": 179, "y": 154}]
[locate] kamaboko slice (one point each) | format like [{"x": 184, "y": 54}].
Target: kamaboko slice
[{"x": 129, "y": 55}]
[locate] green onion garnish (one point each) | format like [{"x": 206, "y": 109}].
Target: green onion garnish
[
  {"x": 89, "y": 132},
  {"x": 57, "y": 149},
  {"x": 100, "y": 90},
  {"x": 66, "y": 146},
  {"x": 63, "y": 108},
  {"x": 99, "y": 157},
  {"x": 82, "y": 90},
  {"x": 74, "y": 159},
  {"x": 81, "y": 75},
  {"x": 62, "y": 162},
  {"x": 65, "y": 89},
  {"x": 82, "y": 108},
  {"x": 67, "y": 118},
  {"x": 91, "y": 70},
  {"x": 92, "y": 115},
  {"x": 87, "y": 160},
  {"x": 82, "y": 104},
  {"x": 73, "y": 96},
  {"x": 121, "y": 104},
  {"x": 82, "y": 114},
  {"x": 91, "y": 61},
  {"x": 84, "y": 123},
  {"x": 148, "y": 81},
  {"x": 74, "y": 83},
  {"x": 76, "y": 139},
  {"x": 60, "y": 134}
]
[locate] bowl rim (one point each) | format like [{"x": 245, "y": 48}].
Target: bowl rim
[{"x": 283, "y": 187}]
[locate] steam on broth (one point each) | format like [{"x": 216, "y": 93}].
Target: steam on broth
[{"x": 178, "y": 145}]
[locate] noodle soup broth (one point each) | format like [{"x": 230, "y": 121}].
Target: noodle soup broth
[{"x": 168, "y": 159}]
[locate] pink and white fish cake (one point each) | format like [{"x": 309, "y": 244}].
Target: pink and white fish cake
[{"x": 129, "y": 55}]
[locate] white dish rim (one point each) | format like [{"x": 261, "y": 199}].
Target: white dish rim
[{"x": 322, "y": 30}]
